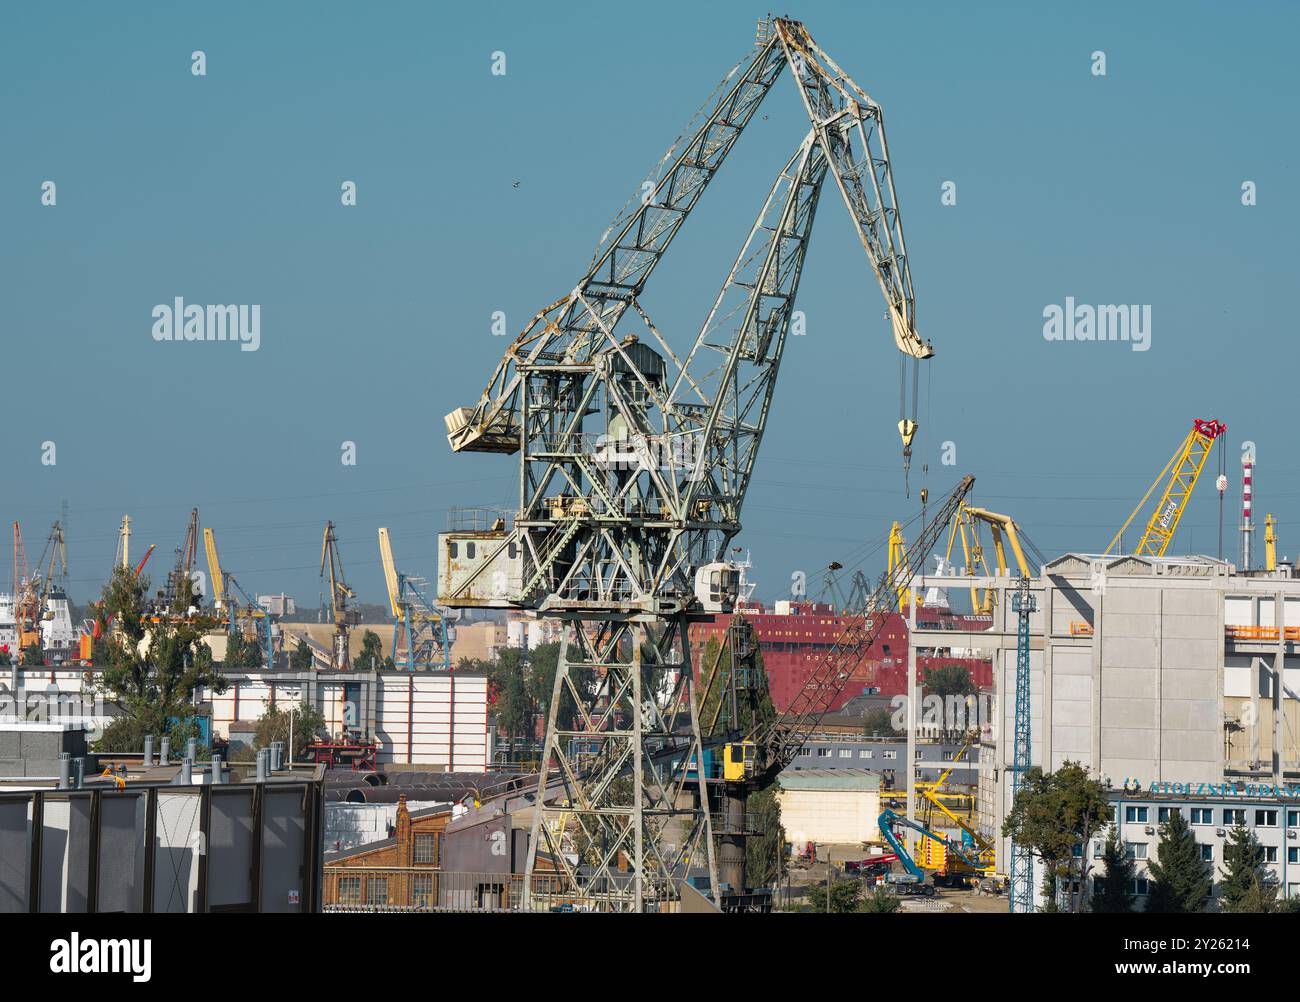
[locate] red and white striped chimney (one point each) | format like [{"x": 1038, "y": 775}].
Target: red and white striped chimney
[{"x": 1247, "y": 525}]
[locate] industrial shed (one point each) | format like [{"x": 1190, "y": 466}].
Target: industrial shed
[{"x": 829, "y": 806}]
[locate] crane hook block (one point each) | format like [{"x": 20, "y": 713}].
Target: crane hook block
[{"x": 907, "y": 429}]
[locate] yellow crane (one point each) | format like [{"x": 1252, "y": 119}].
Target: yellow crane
[
  {"x": 1186, "y": 464},
  {"x": 1005, "y": 532},
  {"x": 420, "y": 635},
  {"x": 248, "y": 619},
  {"x": 897, "y": 560},
  {"x": 1270, "y": 543}
]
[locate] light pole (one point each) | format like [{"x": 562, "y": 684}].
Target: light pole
[{"x": 293, "y": 707}]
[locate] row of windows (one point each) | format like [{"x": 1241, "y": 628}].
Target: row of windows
[
  {"x": 1140, "y": 850},
  {"x": 887, "y": 753},
  {"x": 376, "y": 890},
  {"x": 1264, "y": 817}
]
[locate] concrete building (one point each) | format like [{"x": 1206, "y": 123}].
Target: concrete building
[
  {"x": 1273, "y": 816},
  {"x": 829, "y": 806},
  {"x": 887, "y": 755},
  {"x": 435, "y": 720},
  {"x": 1145, "y": 669}
]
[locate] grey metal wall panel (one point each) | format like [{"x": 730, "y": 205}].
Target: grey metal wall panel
[
  {"x": 230, "y": 849},
  {"x": 121, "y": 884},
  {"x": 176, "y": 859},
  {"x": 283, "y": 834},
  {"x": 15, "y": 854},
  {"x": 77, "y": 868},
  {"x": 54, "y": 853}
]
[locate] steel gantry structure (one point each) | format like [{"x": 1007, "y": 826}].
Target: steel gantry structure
[{"x": 634, "y": 466}]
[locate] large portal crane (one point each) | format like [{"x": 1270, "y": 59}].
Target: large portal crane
[
  {"x": 635, "y": 463},
  {"x": 1186, "y": 464},
  {"x": 340, "y": 596}
]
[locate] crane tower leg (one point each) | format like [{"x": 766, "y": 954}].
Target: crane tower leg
[{"x": 621, "y": 784}]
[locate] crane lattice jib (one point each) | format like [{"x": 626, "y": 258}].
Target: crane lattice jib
[
  {"x": 574, "y": 325},
  {"x": 830, "y": 675},
  {"x": 1187, "y": 469}
]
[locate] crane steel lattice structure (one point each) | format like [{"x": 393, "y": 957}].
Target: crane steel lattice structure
[
  {"x": 340, "y": 596},
  {"x": 1021, "y": 890},
  {"x": 420, "y": 635},
  {"x": 635, "y": 463},
  {"x": 246, "y": 618},
  {"x": 1187, "y": 462}
]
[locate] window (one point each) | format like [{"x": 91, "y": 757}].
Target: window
[
  {"x": 1202, "y": 816},
  {"x": 1136, "y": 815},
  {"x": 1114, "y": 813},
  {"x": 846, "y": 753},
  {"x": 377, "y": 891},
  {"x": 1163, "y": 813},
  {"x": 823, "y": 753},
  {"x": 349, "y": 890},
  {"x": 1234, "y": 816},
  {"x": 469, "y": 550},
  {"x": 1293, "y": 819},
  {"x": 864, "y": 753},
  {"x": 918, "y": 754},
  {"x": 1270, "y": 854},
  {"x": 891, "y": 753},
  {"x": 947, "y": 756},
  {"x": 1207, "y": 853},
  {"x": 426, "y": 848},
  {"x": 1140, "y": 886},
  {"x": 422, "y": 890},
  {"x": 1266, "y": 819},
  {"x": 1077, "y": 850},
  {"x": 1135, "y": 850},
  {"x": 454, "y": 547},
  {"x": 512, "y": 551},
  {"x": 1293, "y": 855}
]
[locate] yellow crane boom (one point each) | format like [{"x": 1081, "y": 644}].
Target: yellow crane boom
[
  {"x": 390, "y": 573},
  {"x": 214, "y": 567},
  {"x": 1186, "y": 463}
]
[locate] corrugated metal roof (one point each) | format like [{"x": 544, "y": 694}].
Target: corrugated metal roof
[{"x": 851, "y": 780}]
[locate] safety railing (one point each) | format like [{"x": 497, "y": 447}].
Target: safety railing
[
  {"x": 429, "y": 889},
  {"x": 1260, "y": 632}
]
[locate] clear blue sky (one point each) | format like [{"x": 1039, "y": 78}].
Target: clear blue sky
[{"x": 375, "y": 319}]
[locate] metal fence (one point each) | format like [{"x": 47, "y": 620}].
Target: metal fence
[{"x": 430, "y": 889}]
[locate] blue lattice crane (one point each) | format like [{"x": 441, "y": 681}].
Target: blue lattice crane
[{"x": 1022, "y": 859}]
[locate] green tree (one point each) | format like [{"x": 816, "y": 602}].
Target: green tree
[
  {"x": 33, "y": 655},
  {"x": 880, "y": 900},
  {"x": 878, "y": 722},
  {"x": 844, "y": 895},
  {"x": 1181, "y": 879},
  {"x": 513, "y": 705},
  {"x": 1052, "y": 815},
  {"x": 6, "y": 659},
  {"x": 300, "y": 660},
  {"x": 1245, "y": 886},
  {"x": 764, "y": 853},
  {"x": 150, "y": 669},
  {"x": 371, "y": 657},
  {"x": 1112, "y": 891},
  {"x": 948, "y": 680},
  {"x": 307, "y": 722},
  {"x": 242, "y": 652}
]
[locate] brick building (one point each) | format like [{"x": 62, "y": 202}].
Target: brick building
[{"x": 388, "y": 873}]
